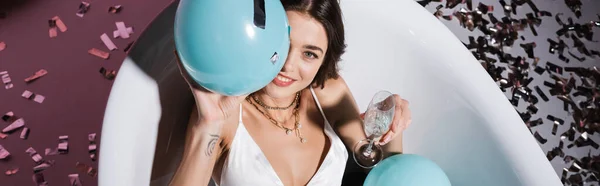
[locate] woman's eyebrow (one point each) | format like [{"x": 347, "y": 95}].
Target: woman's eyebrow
[{"x": 313, "y": 47}]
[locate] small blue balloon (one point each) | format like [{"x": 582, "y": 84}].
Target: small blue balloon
[
  {"x": 407, "y": 170},
  {"x": 232, "y": 47}
]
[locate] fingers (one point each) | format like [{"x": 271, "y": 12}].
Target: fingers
[
  {"x": 402, "y": 118},
  {"x": 387, "y": 137}
]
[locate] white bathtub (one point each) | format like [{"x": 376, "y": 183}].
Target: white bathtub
[{"x": 461, "y": 120}]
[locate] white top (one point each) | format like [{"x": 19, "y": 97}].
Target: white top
[{"x": 247, "y": 165}]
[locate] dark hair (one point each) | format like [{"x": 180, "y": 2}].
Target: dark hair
[{"x": 329, "y": 14}]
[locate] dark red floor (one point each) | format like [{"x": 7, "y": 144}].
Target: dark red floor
[{"x": 75, "y": 91}]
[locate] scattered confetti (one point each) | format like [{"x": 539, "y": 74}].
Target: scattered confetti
[
  {"x": 43, "y": 166},
  {"x": 50, "y": 152},
  {"x": 106, "y": 40},
  {"x": 90, "y": 171},
  {"x": 52, "y": 31},
  {"x": 108, "y": 74},
  {"x": 7, "y": 117},
  {"x": 17, "y": 124},
  {"x": 24, "y": 133},
  {"x": 578, "y": 88},
  {"x": 117, "y": 34},
  {"x": 6, "y": 80},
  {"x": 3, "y": 153},
  {"x": 539, "y": 138},
  {"x": 38, "y": 179},
  {"x": 63, "y": 144},
  {"x": 114, "y": 9},
  {"x": 39, "y": 98},
  {"x": 59, "y": 23},
  {"x": 37, "y": 75},
  {"x": 27, "y": 94},
  {"x": 37, "y": 158},
  {"x": 99, "y": 53},
  {"x": 2, "y": 46},
  {"x": 74, "y": 180},
  {"x": 10, "y": 172},
  {"x": 92, "y": 146},
  {"x": 56, "y": 24},
  {"x": 123, "y": 32},
  {"x": 83, "y": 8}
]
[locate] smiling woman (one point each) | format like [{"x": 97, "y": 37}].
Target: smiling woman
[{"x": 462, "y": 121}]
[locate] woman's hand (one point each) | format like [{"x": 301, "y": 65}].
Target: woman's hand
[
  {"x": 402, "y": 119},
  {"x": 212, "y": 107}
]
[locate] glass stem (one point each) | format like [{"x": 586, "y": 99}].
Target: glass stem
[{"x": 369, "y": 149}]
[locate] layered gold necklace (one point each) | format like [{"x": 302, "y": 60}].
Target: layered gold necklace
[{"x": 295, "y": 113}]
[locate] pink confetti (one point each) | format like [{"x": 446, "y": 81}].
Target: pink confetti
[
  {"x": 27, "y": 94},
  {"x": 52, "y": 32},
  {"x": 12, "y": 171},
  {"x": 3, "y": 136},
  {"x": 122, "y": 30},
  {"x": 99, "y": 53},
  {"x": 38, "y": 74},
  {"x": 106, "y": 40},
  {"x": 24, "y": 133},
  {"x": 74, "y": 180},
  {"x": 50, "y": 152},
  {"x": 60, "y": 24},
  {"x": 38, "y": 179},
  {"x": 92, "y": 147},
  {"x": 6, "y": 79},
  {"x": 83, "y": 8},
  {"x": 92, "y": 137},
  {"x": 30, "y": 151},
  {"x": 2, "y": 46},
  {"x": 14, "y": 125},
  {"x": 116, "y": 33},
  {"x": 37, "y": 158},
  {"x": 3, "y": 153},
  {"x": 8, "y": 86},
  {"x": 41, "y": 167},
  {"x": 114, "y": 9},
  {"x": 7, "y": 117},
  {"x": 39, "y": 98}
]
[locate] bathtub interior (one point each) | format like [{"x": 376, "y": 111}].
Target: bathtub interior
[{"x": 460, "y": 118}]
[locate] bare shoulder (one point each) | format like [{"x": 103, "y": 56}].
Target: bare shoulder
[{"x": 335, "y": 98}]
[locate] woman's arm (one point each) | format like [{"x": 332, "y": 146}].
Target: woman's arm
[
  {"x": 202, "y": 149},
  {"x": 341, "y": 108}
]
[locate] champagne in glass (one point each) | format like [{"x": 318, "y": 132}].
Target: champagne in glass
[{"x": 377, "y": 122}]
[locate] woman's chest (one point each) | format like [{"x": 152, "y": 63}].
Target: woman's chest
[{"x": 293, "y": 161}]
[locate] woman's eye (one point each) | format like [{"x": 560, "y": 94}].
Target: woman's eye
[{"x": 310, "y": 55}]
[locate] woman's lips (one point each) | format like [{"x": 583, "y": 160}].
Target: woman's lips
[{"x": 282, "y": 81}]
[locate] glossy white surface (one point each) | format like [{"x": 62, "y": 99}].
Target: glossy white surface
[
  {"x": 130, "y": 127},
  {"x": 461, "y": 120}
]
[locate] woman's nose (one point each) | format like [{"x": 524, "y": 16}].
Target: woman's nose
[{"x": 290, "y": 62}]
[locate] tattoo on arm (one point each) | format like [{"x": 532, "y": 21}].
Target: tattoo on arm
[{"x": 211, "y": 144}]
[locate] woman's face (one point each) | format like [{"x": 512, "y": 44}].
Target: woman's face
[{"x": 308, "y": 44}]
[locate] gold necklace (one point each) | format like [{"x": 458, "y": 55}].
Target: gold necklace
[
  {"x": 288, "y": 131},
  {"x": 276, "y": 108}
]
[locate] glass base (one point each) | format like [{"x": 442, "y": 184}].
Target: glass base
[{"x": 364, "y": 157}]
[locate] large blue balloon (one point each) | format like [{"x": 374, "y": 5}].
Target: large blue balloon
[
  {"x": 232, "y": 47},
  {"x": 407, "y": 170}
]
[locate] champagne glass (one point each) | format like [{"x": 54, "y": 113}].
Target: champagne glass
[{"x": 377, "y": 121}]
